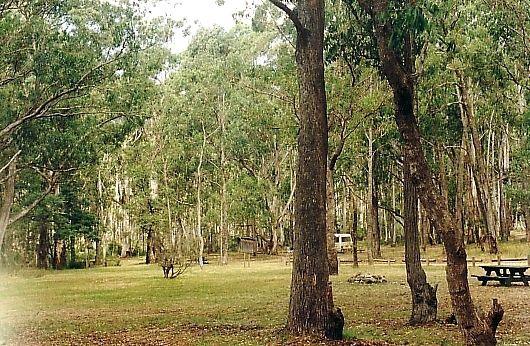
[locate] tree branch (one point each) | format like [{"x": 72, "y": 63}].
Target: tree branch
[
  {"x": 53, "y": 100},
  {"x": 10, "y": 161},
  {"x": 284, "y": 98},
  {"x": 246, "y": 167},
  {"x": 392, "y": 67},
  {"x": 289, "y": 201},
  {"x": 340, "y": 146},
  {"x": 291, "y": 14},
  {"x": 51, "y": 184}
]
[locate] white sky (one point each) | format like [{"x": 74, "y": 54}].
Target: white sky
[{"x": 198, "y": 13}]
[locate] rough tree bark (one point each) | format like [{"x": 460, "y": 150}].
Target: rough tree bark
[
  {"x": 311, "y": 302},
  {"x": 477, "y": 328},
  {"x": 424, "y": 302}
]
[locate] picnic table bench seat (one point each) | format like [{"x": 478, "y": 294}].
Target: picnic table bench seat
[
  {"x": 504, "y": 274},
  {"x": 503, "y": 280}
]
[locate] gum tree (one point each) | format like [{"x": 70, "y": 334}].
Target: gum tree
[
  {"x": 478, "y": 329},
  {"x": 311, "y": 302}
]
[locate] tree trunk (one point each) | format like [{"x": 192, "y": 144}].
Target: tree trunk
[
  {"x": 473, "y": 209},
  {"x": 223, "y": 212},
  {"x": 371, "y": 218},
  {"x": 56, "y": 251},
  {"x": 331, "y": 221},
  {"x": 482, "y": 181},
  {"x": 390, "y": 220},
  {"x": 28, "y": 247},
  {"x": 331, "y": 224},
  {"x": 72, "y": 249},
  {"x": 476, "y": 328},
  {"x": 171, "y": 228},
  {"x": 44, "y": 245},
  {"x": 99, "y": 255},
  {"x": 275, "y": 220},
  {"x": 223, "y": 227},
  {"x": 423, "y": 226},
  {"x": 104, "y": 249},
  {"x": 87, "y": 252},
  {"x": 376, "y": 229},
  {"x": 444, "y": 189},
  {"x": 276, "y": 213},
  {"x": 505, "y": 215},
  {"x": 526, "y": 211},
  {"x": 199, "y": 201},
  {"x": 424, "y": 302},
  {"x": 150, "y": 249},
  {"x": 7, "y": 200},
  {"x": 354, "y": 226},
  {"x": 459, "y": 197},
  {"x": 311, "y": 301},
  {"x": 59, "y": 253},
  {"x": 62, "y": 257}
]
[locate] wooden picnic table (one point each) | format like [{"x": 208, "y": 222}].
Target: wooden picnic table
[{"x": 505, "y": 274}]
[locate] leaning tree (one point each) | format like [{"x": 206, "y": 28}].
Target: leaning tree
[{"x": 478, "y": 329}]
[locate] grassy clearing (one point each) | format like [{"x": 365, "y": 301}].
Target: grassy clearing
[{"x": 232, "y": 305}]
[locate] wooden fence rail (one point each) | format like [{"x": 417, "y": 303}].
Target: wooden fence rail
[{"x": 473, "y": 260}]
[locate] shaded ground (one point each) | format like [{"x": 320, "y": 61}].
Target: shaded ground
[{"x": 232, "y": 305}]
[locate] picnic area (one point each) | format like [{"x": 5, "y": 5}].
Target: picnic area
[
  {"x": 504, "y": 274},
  {"x": 228, "y": 305},
  {"x": 265, "y": 172}
]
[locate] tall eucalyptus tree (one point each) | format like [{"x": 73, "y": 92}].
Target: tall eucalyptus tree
[
  {"x": 311, "y": 303},
  {"x": 396, "y": 66}
]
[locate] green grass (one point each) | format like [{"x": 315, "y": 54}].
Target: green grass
[
  {"x": 228, "y": 305},
  {"x": 512, "y": 249}
]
